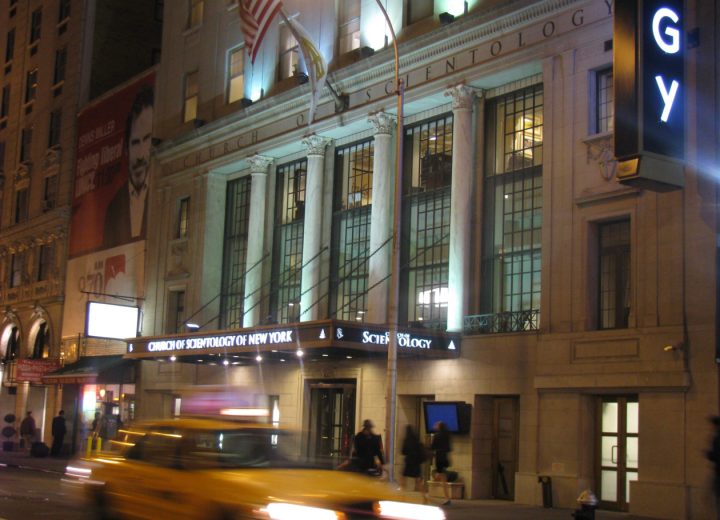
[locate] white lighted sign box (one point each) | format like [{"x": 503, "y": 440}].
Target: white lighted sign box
[{"x": 649, "y": 78}]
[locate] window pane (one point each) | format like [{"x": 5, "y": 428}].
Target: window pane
[
  {"x": 608, "y": 485},
  {"x": 630, "y": 476},
  {"x": 609, "y": 451},
  {"x": 604, "y": 101},
  {"x": 237, "y": 218},
  {"x": 632, "y": 452},
  {"x": 287, "y": 250},
  {"x": 633, "y": 417},
  {"x": 236, "y": 87},
  {"x": 351, "y": 228},
  {"x": 428, "y": 177},
  {"x": 609, "y": 417}
]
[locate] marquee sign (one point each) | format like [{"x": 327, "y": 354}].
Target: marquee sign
[
  {"x": 326, "y": 334},
  {"x": 649, "y": 77}
]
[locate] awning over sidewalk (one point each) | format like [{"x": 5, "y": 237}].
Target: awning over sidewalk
[
  {"x": 94, "y": 369},
  {"x": 331, "y": 339}
]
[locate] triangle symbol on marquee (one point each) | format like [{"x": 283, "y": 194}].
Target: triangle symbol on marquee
[
  {"x": 322, "y": 334},
  {"x": 451, "y": 345}
]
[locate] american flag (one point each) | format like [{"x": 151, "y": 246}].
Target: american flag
[{"x": 255, "y": 18}]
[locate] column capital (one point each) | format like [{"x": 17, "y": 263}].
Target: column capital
[
  {"x": 316, "y": 144},
  {"x": 382, "y": 122},
  {"x": 259, "y": 163},
  {"x": 463, "y": 96}
]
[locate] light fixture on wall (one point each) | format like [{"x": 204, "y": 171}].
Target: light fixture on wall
[{"x": 192, "y": 326}]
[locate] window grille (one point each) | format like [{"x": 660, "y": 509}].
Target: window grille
[
  {"x": 426, "y": 221},
  {"x": 288, "y": 247},
  {"x": 351, "y": 230},
  {"x": 237, "y": 219}
]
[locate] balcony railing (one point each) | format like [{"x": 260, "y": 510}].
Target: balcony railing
[{"x": 519, "y": 321}]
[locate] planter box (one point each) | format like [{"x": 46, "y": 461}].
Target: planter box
[{"x": 455, "y": 489}]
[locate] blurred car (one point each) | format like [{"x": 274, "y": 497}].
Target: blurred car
[{"x": 204, "y": 468}]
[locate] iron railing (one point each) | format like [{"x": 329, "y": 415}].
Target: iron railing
[{"x": 519, "y": 321}]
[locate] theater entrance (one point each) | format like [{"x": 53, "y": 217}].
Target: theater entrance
[{"x": 331, "y": 419}]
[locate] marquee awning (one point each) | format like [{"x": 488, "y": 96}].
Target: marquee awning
[
  {"x": 326, "y": 338},
  {"x": 93, "y": 369}
]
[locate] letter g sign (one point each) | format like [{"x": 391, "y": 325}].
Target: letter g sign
[{"x": 673, "y": 45}]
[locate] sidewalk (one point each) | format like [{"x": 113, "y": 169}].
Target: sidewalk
[{"x": 459, "y": 510}]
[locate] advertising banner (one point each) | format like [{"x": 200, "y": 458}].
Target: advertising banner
[
  {"x": 112, "y": 169},
  {"x": 32, "y": 370}
]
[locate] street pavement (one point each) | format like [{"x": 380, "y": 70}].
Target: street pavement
[{"x": 458, "y": 510}]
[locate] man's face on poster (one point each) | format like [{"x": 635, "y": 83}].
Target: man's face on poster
[{"x": 139, "y": 145}]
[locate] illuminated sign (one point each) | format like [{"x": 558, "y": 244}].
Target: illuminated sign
[
  {"x": 649, "y": 82},
  {"x": 111, "y": 321},
  {"x": 216, "y": 341},
  {"x": 406, "y": 340}
]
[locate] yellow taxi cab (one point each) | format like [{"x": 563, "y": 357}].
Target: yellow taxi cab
[{"x": 209, "y": 468}]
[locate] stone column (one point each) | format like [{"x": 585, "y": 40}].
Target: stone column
[
  {"x": 310, "y": 288},
  {"x": 461, "y": 217},
  {"x": 381, "y": 217},
  {"x": 256, "y": 237}
]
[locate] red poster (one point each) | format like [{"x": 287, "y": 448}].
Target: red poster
[
  {"x": 32, "y": 370},
  {"x": 112, "y": 169}
]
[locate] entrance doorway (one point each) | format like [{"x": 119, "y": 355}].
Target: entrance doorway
[
  {"x": 504, "y": 447},
  {"x": 332, "y": 419},
  {"x": 619, "y": 442}
]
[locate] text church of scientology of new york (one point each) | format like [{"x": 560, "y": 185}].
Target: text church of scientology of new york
[{"x": 557, "y": 221}]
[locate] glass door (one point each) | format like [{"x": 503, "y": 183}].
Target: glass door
[
  {"x": 332, "y": 420},
  {"x": 619, "y": 443}
]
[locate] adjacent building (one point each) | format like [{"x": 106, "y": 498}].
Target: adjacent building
[{"x": 56, "y": 55}]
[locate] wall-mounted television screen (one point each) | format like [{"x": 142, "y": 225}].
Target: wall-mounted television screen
[
  {"x": 111, "y": 321},
  {"x": 455, "y": 415}
]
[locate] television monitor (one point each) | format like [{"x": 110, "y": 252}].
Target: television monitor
[{"x": 455, "y": 415}]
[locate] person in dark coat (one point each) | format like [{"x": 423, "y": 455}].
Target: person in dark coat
[
  {"x": 714, "y": 455},
  {"x": 27, "y": 431},
  {"x": 441, "y": 447},
  {"x": 367, "y": 447},
  {"x": 414, "y": 453},
  {"x": 59, "y": 429}
]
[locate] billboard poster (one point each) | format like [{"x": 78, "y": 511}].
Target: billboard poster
[
  {"x": 32, "y": 370},
  {"x": 113, "y": 276},
  {"x": 112, "y": 168}
]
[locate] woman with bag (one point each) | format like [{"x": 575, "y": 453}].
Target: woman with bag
[{"x": 414, "y": 453}]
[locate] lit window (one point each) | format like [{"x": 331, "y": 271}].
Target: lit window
[
  {"x": 45, "y": 262},
  {"x": 237, "y": 221},
  {"x": 236, "y": 75},
  {"x": 195, "y": 14},
  {"x": 17, "y": 265},
  {"x": 289, "y": 53},
  {"x": 183, "y": 215},
  {"x": 348, "y": 26},
  {"x": 191, "y": 97},
  {"x": 604, "y": 101}
]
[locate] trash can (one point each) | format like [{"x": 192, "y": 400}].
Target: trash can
[{"x": 546, "y": 490}]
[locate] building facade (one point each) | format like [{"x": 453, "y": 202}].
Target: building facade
[{"x": 581, "y": 311}]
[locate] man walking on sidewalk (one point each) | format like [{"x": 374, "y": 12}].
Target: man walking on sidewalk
[{"x": 58, "y": 432}]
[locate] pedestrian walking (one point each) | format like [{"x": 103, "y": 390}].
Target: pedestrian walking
[
  {"x": 27, "y": 431},
  {"x": 59, "y": 429},
  {"x": 714, "y": 455},
  {"x": 441, "y": 447},
  {"x": 414, "y": 452},
  {"x": 367, "y": 448}
]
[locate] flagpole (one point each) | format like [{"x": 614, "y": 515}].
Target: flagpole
[{"x": 391, "y": 377}]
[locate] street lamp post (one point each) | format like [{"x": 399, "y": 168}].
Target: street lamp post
[{"x": 391, "y": 377}]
